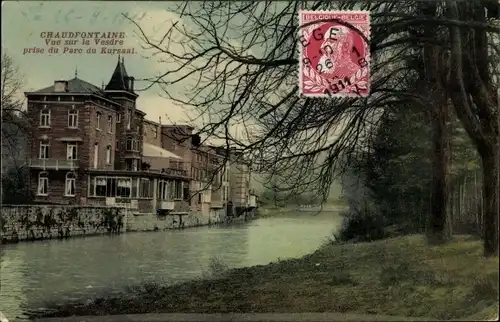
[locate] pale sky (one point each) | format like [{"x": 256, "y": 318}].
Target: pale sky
[{"x": 22, "y": 22}]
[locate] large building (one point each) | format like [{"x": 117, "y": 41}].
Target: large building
[{"x": 92, "y": 146}]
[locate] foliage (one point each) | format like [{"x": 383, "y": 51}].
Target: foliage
[
  {"x": 14, "y": 187},
  {"x": 395, "y": 172},
  {"x": 216, "y": 268},
  {"x": 277, "y": 198}
]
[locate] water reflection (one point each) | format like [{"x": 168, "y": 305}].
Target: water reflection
[{"x": 89, "y": 267}]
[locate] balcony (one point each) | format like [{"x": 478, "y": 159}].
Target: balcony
[{"x": 54, "y": 164}]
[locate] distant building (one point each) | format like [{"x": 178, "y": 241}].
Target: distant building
[{"x": 93, "y": 146}]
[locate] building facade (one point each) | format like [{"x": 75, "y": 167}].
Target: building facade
[{"x": 93, "y": 146}]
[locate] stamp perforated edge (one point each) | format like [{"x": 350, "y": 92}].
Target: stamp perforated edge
[{"x": 301, "y": 52}]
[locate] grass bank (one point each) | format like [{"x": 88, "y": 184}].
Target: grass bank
[{"x": 401, "y": 276}]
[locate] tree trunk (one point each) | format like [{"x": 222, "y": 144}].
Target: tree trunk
[
  {"x": 491, "y": 202},
  {"x": 439, "y": 230}
]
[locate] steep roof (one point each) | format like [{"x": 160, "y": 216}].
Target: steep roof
[
  {"x": 75, "y": 85},
  {"x": 119, "y": 79}
]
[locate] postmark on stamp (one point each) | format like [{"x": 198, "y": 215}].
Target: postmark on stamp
[{"x": 334, "y": 58}]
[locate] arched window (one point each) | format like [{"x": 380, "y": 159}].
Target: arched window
[
  {"x": 43, "y": 184},
  {"x": 129, "y": 143},
  {"x": 108, "y": 154},
  {"x": 70, "y": 189}
]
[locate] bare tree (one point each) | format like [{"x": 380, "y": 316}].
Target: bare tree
[
  {"x": 12, "y": 83},
  {"x": 13, "y": 120},
  {"x": 252, "y": 86},
  {"x": 14, "y": 130}
]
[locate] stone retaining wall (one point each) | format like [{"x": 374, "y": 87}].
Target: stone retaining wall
[
  {"x": 148, "y": 222},
  {"x": 20, "y": 223}
]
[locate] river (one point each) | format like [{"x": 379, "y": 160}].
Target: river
[{"x": 82, "y": 268}]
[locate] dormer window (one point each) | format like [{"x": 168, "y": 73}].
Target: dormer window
[{"x": 45, "y": 117}]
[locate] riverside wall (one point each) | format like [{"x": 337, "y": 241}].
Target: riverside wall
[{"x": 38, "y": 222}]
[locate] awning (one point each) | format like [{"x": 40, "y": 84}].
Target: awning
[{"x": 150, "y": 150}]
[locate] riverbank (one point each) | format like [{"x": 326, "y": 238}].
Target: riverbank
[
  {"x": 399, "y": 277},
  {"x": 270, "y": 211}
]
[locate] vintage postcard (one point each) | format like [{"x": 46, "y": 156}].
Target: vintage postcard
[
  {"x": 161, "y": 163},
  {"x": 334, "y": 59}
]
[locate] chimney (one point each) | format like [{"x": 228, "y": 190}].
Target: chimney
[
  {"x": 159, "y": 119},
  {"x": 60, "y": 86}
]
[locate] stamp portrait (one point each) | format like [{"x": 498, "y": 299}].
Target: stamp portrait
[{"x": 334, "y": 53}]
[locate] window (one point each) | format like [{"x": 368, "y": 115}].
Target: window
[
  {"x": 72, "y": 98},
  {"x": 96, "y": 155},
  {"x": 72, "y": 151},
  {"x": 124, "y": 188},
  {"x": 98, "y": 121},
  {"x": 45, "y": 117},
  {"x": 110, "y": 124},
  {"x": 132, "y": 144},
  {"x": 171, "y": 192},
  {"x": 43, "y": 184},
  {"x": 198, "y": 157},
  {"x": 118, "y": 118},
  {"x": 100, "y": 187},
  {"x": 73, "y": 118},
  {"x": 129, "y": 120},
  {"x": 70, "y": 189},
  {"x": 45, "y": 98},
  {"x": 178, "y": 190},
  {"x": 200, "y": 197},
  {"x": 59, "y": 98},
  {"x": 108, "y": 154},
  {"x": 117, "y": 145},
  {"x": 155, "y": 132},
  {"x": 135, "y": 165},
  {"x": 44, "y": 150},
  {"x": 113, "y": 187},
  {"x": 145, "y": 188},
  {"x": 163, "y": 190}
]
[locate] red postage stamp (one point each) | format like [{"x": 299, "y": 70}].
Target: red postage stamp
[{"x": 334, "y": 59}]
